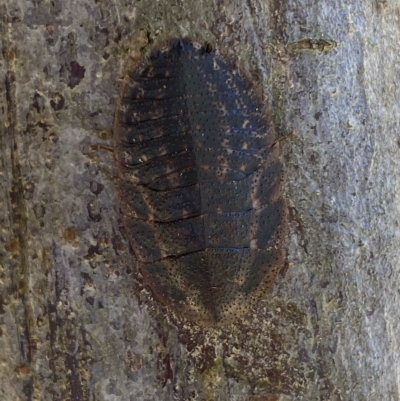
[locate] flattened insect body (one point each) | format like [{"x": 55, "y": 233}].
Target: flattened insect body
[{"x": 199, "y": 182}]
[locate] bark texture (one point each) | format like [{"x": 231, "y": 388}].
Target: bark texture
[{"x": 76, "y": 321}]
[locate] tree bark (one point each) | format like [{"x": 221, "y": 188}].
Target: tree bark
[{"x": 76, "y": 320}]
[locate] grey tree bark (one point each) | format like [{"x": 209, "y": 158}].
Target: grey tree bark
[{"x": 76, "y": 321}]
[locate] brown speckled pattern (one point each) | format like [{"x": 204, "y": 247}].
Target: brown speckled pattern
[{"x": 200, "y": 182}]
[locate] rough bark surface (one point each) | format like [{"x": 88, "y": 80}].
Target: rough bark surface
[{"x": 76, "y": 321}]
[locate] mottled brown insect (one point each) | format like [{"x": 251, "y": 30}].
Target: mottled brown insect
[{"x": 200, "y": 182}]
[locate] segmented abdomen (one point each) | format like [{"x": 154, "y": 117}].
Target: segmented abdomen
[{"x": 199, "y": 182}]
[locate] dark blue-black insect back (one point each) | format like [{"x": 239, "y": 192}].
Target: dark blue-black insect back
[{"x": 200, "y": 183}]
